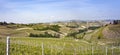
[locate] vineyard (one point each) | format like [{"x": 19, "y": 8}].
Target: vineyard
[{"x": 55, "y": 46}]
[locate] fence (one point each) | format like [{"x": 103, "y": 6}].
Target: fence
[{"x": 31, "y": 46}]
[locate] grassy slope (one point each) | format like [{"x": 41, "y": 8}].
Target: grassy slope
[
  {"x": 112, "y": 33},
  {"x": 107, "y": 34},
  {"x": 96, "y": 34},
  {"x": 52, "y": 46},
  {"x": 32, "y": 46},
  {"x": 16, "y": 32}
]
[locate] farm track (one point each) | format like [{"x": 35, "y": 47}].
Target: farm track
[{"x": 24, "y": 28}]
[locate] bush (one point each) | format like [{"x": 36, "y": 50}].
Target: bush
[
  {"x": 52, "y": 27},
  {"x": 3, "y": 23},
  {"x": 72, "y": 26},
  {"x": 74, "y": 34},
  {"x": 93, "y": 28},
  {"x": 99, "y": 37},
  {"x": 42, "y": 35}
]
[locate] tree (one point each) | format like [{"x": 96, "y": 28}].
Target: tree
[
  {"x": 116, "y": 21},
  {"x": 3, "y": 23}
]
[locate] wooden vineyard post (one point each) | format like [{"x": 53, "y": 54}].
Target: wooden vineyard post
[
  {"x": 42, "y": 49},
  {"x": 74, "y": 51},
  {"x": 92, "y": 50},
  {"x": 106, "y": 50},
  {"x": 7, "y": 47},
  {"x": 112, "y": 50},
  {"x": 51, "y": 49}
]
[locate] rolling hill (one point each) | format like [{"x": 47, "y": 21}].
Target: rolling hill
[{"x": 77, "y": 30}]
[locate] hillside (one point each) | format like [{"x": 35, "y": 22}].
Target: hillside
[
  {"x": 62, "y": 28},
  {"x": 108, "y": 34},
  {"x": 112, "y": 33},
  {"x": 91, "y": 32}
]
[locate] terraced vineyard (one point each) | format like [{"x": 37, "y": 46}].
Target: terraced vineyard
[{"x": 55, "y": 46}]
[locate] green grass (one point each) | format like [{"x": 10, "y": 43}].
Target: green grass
[
  {"x": 2, "y": 48},
  {"x": 98, "y": 34},
  {"x": 52, "y": 46}
]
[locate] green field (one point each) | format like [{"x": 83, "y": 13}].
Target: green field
[
  {"x": 60, "y": 39},
  {"x": 54, "y": 46}
]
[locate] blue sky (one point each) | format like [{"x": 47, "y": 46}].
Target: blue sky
[{"x": 35, "y": 11}]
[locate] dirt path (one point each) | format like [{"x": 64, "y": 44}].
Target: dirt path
[{"x": 23, "y": 28}]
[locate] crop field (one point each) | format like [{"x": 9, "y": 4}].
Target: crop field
[{"x": 54, "y": 46}]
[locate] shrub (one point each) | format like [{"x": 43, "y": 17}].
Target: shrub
[
  {"x": 42, "y": 35},
  {"x": 93, "y": 28},
  {"x": 74, "y": 34},
  {"x": 52, "y": 27}
]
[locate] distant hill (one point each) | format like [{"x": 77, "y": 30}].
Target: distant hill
[
  {"x": 92, "y": 31},
  {"x": 112, "y": 32},
  {"x": 107, "y": 34}
]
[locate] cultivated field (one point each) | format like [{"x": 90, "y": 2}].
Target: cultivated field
[
  {"x": 60, "y": 39},
  {"x": 55, "y": 46}
]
